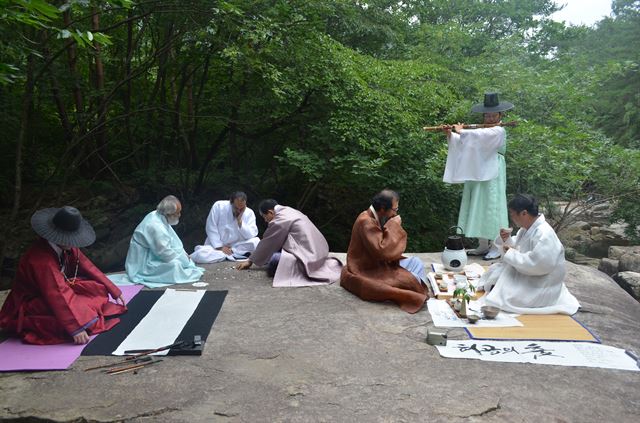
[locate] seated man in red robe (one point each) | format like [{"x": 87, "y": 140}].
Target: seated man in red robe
[{"x": 58, "y": 295}]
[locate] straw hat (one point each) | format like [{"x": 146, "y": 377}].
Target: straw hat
[{"x": 63, "y": 226}]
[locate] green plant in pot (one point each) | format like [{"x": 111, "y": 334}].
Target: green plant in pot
[{"x": 464, "y": 293}]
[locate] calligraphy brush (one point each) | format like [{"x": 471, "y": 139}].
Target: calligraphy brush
[
  {"x": 147, "y": 352},
  {"x": 130, "y": 368},
  {"x": 137, "y": 360}
]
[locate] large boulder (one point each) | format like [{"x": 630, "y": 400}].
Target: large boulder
[
  {"x": 630, "y": 262},
  {"x": 630, "y": 282},
  {"x": 617, "y": 251},
  {"x": 110, "y": 257},
  {"x": 592, "y": 239},
  {"x": 600, "y": 239},
  {"x": 586, "y": 260},
  {"x": 608, "y": 266},
  {"x": 581, "y": 225}
]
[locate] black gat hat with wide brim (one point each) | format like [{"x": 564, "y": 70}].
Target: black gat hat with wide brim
[
  {"x": 63, "y": 226},
  {"x": 491, "y": 104}
]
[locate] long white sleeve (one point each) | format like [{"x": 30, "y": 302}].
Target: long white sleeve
[
  {"x": 541, "y": 260},
  {"x": 473, "y": 155},
  {"x": 213, "y": 234},
  {"x": 249, "y": 228},
  {"x": 490, "y": 139}
]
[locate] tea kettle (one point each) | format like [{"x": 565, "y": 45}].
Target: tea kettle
[{"x": 454, "y": 256}]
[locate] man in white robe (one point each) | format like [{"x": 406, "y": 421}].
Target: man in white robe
[
  {"x": 232, "y": 233},
  {"x": 294, "y": 249},
  {"x": 529, "y": 279}
]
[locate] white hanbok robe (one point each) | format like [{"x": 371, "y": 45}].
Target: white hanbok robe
[
  {"x": 223, "y": 230},
  {"x": 156, "y": 256},
  {"x": 529, "y": 279},
  {"x": 473, "y": 155},
  {"x": 476, "y": 158}
]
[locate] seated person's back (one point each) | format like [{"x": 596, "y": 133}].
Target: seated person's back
[{"x": 294, "y": 248}]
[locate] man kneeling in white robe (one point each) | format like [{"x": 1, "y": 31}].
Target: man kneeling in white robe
[
  {"x": 231, "y": 231},
  {"x": 529, "y": 279}
]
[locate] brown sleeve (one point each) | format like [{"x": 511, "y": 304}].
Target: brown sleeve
[{"x": 387, "y": 243}]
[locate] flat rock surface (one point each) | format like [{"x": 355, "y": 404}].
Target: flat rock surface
[{"x": 321, "y": 354}]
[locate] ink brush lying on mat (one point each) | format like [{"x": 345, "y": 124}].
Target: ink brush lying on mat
[
  {"x": 194, "y": 347},
  {"x": 139, "y": 353}
]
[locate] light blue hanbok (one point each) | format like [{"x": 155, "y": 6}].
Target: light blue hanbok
[
  {"x": 157, "y": 257},
  {"x": 483, "y": 208}
]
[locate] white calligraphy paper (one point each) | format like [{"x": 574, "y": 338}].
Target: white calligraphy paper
[
  {"x": 584, "y": 354},
  {"x": 163, "y": 323},
  {"x": 444, "y": 317}
]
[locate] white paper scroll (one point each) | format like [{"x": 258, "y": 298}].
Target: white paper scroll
[
  {"x": 584, "y": 354},
  {"x": 164, "y": 322}
]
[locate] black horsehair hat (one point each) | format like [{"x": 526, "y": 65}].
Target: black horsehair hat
[
  {"x": 63, "y": 226},
  {"x": 491, "y": 104}
]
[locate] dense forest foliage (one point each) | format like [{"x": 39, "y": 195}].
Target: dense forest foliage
[{"x": 317, "y": 103}]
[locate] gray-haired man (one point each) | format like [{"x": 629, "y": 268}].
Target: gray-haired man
[{"x": 156, "y": 255}]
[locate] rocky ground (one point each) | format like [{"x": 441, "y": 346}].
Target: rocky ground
[{"x": 321, "y": 354}]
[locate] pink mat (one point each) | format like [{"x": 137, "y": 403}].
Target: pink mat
[{"x": 16, "y": 356}]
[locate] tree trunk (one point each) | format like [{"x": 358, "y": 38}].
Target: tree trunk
[
  {"x": 25, "y": 118},
  {"x": 101, "y": 133},
  {"x": 72, "y": 56},
  {"x": 72, "y": 59},
  {"x": 191, "y": 122},
  {"x": 196, "y": 107},
  {"x": 233, "y": 140},
  {"x": 128, "y": 88},
  {"x": 212, "y": 151}
]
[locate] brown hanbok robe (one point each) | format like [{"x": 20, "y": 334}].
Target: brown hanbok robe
[
  {"x": 373, "y": 272},
  {"x": 304, "y": 259}
]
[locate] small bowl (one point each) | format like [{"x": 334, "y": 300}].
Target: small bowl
[
  {"x": 489, "y": 312},
  {"x": 472, "y": 318}
]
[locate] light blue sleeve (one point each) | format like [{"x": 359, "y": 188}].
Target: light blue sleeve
[{"x": 159, "y": 242}]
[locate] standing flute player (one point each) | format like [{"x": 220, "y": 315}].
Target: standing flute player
[{"x": 476, "y": 158}]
